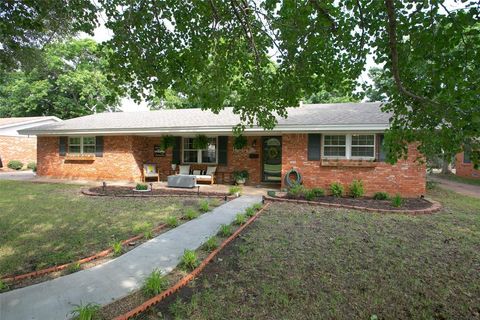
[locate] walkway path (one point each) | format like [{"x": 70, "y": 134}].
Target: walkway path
[
  {"x": 462, "y": 188},
  {"x": 104, "y": 283}
]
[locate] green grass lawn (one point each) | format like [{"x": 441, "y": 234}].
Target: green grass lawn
[
  {"x": 46, "y": 224},
  {"x": 304, "y": 262},
  {"x": 453, "y": 177}
]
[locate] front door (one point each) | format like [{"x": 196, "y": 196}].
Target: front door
[{"x": 272, "y": 159}]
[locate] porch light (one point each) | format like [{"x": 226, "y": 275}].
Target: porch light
[{"x": 254, "y": 143}]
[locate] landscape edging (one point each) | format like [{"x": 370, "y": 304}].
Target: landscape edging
[
  {"x": 435, "y": 206},
  {"x": 101, "y": 254},
  {"x": 189, "y": 277}
]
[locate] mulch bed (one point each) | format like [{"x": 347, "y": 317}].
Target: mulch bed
[{"x": 119, "y": 191}]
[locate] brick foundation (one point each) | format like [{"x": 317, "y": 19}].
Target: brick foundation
[
  {"x": 19, "y": 148},
  {"x": 406, "y": 177},
  {"x": 465, "y": 169}
]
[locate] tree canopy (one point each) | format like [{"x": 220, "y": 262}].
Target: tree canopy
[{"x": 69, "y": 79}]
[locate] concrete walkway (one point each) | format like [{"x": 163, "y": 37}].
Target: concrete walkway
[
  {"x": 104, "y": 283},
  {"x": 17, "y": 175},
  {"x": 462, "y": 188}
]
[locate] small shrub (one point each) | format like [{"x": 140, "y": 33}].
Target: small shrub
[
  {"x": 397, "y": 201},
  {"x": 336, "y": 189},
  {"x": 310, "y": 195},
  {"x": 141, "y": 186},
  {"x": 32, "y": 166},
  {"x": 171, "y": 221},
  {"x": 117, "y": 248},
  {"x": 240, "y": 219},
  {"x": 214, "y": 202},
  {"x": 356, "y": 189},
  {"x": 211, "y": 244},
  {"x": 189, "y": 260},
  {"x": 85, "y": 312},
  {"x": 296, "y": 191},
  {"x": 74, "y": 267},
  {"x": 142, "y": 228},
  {"x": 319, "y": 192},
  {"x": 431, "y": 184},
  {"x": 154, "y": 284},
  {"x": 250, "y": 212},
  {"x": 148, "y": 234},
  {"x": 257, "y": 206},
  {"x": 234, "y": 189},
  {"x": 191, "y": 214},
  {"x": 3, "y": 286},
  {"x": 15, "y": 164},
  {"x": 204, "y": 206},
  {"x": 225, "y": 230},
  {"x": 380, "y": 196}
]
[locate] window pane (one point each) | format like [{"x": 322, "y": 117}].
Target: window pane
[
  {"x": 74, "y": 140},
  {"x": 88, "y": 149},
  {"x": 73, "y": 149},
  {"x": 363, "y": 140},
  {"x": 335, "y": 140},
  {"x": 362, "y": 151},
  {"x": 209, "y": 155},
  {"x": 334, "y": 151},
  {"x": 188, "y": 143},
  {"x": 190, "y": 156},
  {"x": 89, "y": 140}
]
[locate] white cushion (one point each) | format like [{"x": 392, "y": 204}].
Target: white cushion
[
  {"x": 197, "y": 172},
  {"x": 184, "y": 169},
  {"x": 211, "y": 170},
  {"x": 203, "y": 177}
]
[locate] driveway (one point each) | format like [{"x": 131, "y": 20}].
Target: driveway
[
  {"x": 17, "y": 175},
  {"x": 462, "y": 188}
]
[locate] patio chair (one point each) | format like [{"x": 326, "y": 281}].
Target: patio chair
[
  {"x": 184, "y": 169},
  {"x": 208, "y": 176},
  {"x": 150, "y": 171}
]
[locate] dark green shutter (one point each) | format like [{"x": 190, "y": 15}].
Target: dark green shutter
[
  {"x": 314, "y": 146},
  {"x": 62, "y": 146},
  {"x": 99, "y": 146},
  {"x": 177, "y": 150},
  {"x": 467, "y": 155},
  {"x": 222, "y": 150},
  {"x": 381, "y": 152}
]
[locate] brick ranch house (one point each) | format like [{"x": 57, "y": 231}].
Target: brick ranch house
[
  {"x": 15, "y": 146},
  {"x": 324, "y": 142},
  {"x": 464, "y": 166}
]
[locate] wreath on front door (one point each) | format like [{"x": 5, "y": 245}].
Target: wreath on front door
[{"x": 272, "y": 153}]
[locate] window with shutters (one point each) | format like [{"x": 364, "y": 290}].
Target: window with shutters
[
  {"x": 349, "y": 146},
  {"x": 81, "y": 145},
  {"x": 191, "y": 155}
]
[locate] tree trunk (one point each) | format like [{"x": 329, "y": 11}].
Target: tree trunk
[{"x": 446, "y": 164}]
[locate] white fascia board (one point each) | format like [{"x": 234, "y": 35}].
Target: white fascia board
[{"x": 30, "y": 122}]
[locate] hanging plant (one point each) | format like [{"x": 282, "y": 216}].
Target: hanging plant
[
  {"x": 239, "y": 142},
  {"x": 168, "y": 142},
  {"x": 200, "y": 142}
]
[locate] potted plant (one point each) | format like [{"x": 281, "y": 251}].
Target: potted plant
[
  {"x": 168, "y": 142},
  {"x": 239, "y": 142},
  {"x": 200, "y": 142},
  {"x": 240, "y": 176}
]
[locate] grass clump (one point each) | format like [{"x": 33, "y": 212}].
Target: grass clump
[
  {"x": 204, "y": 206},
  {"x": 240, "y": 219},
  {"x": 356, "y": 189},
  {"x": 117, "y": 248},
  {"x": 296, "y": 191},
  {"x": 250, "y": 212},
  {"x": 310, "y": 195},
  {"x": 191, "y": 214},
  {"x": 3, "y": 286},
  {"x": 85, "y": 312},
  {"x": 154, "y": 284},
  {"x": 225, "y": 230},
  {"x": 214, "y": 202},
  {"x": 380, "y": 196},
  {"x": 319, "y": 192},
  {"x": 234, "y": 190},
  {"x": 211, "y": 244},
  {"x": 257, "y": 206},
  {"x": 189, "y": 260},
  {"x": 74, "y": 267},
  {"x": 172, "y": 221},
  {"x": 336, "y": 189},
  {"x": 141, "y": 187},
  {"x": 397, "y": 201}
]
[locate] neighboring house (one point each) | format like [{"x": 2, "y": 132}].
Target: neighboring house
[
  {"x": 15, "y": 146},
  {"x": 464, "y": 165},
  {"x": 324, "y": 142}
]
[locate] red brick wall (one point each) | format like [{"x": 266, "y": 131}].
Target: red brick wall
[
  {"x": 18, "y": 148},
  {"x": 465, "y": 169},
  {"x": 123, "y": 159},
  {"x": 407, "y": 177}
]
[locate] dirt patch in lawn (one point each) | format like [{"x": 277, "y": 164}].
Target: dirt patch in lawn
[
  {"x": 304, "y": 262},
  {"x": 120, "y": 191}
]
